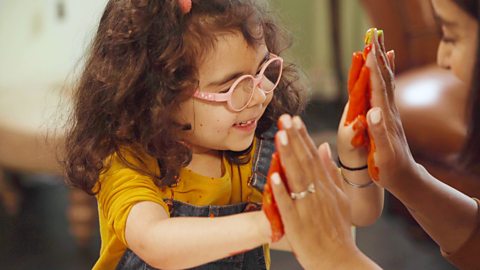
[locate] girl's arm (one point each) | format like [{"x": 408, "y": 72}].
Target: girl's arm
[
  {"x": 184, "y": 242},
  {"x": 366, "y": 203}
]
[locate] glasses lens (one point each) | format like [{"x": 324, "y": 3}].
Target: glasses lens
[
  {"x": 271, "y": 75},
  {"x": 242, "y": 93}
]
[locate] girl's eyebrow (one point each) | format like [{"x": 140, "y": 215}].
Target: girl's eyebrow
[{"x": 234, "y": 75}]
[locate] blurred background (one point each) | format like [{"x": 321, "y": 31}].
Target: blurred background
[{"x": 46, "y": 225}]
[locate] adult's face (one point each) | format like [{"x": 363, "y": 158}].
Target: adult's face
[{"x": 458, "y": 48}]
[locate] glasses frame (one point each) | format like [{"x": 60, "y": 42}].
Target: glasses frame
[{"x": 227, "y": 97}]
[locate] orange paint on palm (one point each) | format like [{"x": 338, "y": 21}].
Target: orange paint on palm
[
  {"x": 354, "y": 73},
  {"x": 359, "y": 95},
  {"x": 372, "y": 168},
  {"x": 361, "y": 132},
  {"x": 269, "y": 205}
]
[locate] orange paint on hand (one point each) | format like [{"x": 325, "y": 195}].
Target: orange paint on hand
[
  {"x": 357, "y": 64},
  {"x": 373, "y": 170},
  {"x": 359, "y": 95},
  {"x": 269, "y": 205},
  {"x": 361, "y": 132}
]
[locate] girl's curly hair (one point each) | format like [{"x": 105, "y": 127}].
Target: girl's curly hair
[{"x": 142, "y": 65}]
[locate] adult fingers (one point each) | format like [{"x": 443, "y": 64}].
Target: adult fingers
[
  {"x": 286, "y": 206},
  {"x": 379, "y": 89},
  {"x": 380, "y": 54},
  {"x": 296, "y": 153},
  {"x": 316, "y": 171},
  {"x": 302, "y": 130},
  {"x": 384, "y": 66}
]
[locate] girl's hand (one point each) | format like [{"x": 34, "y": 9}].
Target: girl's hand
[
  {"x": 352, "y": 136},
  {"x": 351, "y": 156},
  {"x": 392, "y": 154},
  {"x": 317, "y": 223}
]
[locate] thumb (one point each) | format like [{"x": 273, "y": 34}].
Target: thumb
[{"x": 378, "y": 129}]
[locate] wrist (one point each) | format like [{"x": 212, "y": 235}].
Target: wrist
[
  {"x": 263, "y": 227},
  {"x": 363, "y": 166},
  {"x": 356, "y": 178},
  {"x": 402, "y": 179}
]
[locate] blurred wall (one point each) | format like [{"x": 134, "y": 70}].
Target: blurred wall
[
  {"x": 42, "y": 40},
  {"x": 310, "y": 23}
]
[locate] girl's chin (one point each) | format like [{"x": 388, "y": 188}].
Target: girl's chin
[{"x": 240, "y": 146}]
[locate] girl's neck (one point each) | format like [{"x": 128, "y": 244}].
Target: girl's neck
[{"x": 207, "y": 163}]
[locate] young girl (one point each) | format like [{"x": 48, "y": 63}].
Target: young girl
[{"x": 172, "y": 131}]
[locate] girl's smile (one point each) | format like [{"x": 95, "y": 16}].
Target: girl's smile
[
  {"x": 215, "y": 125},
  {"x": 246, "y": 126}
]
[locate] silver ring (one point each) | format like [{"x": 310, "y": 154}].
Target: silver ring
[{"x": 303, "y": 194}]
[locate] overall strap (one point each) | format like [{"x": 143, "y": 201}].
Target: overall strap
[{"x": 262, "y": 158}]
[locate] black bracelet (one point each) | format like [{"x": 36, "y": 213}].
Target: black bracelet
[{"x": 350, "y": 168}]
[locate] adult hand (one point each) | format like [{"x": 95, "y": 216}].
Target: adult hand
[
  {"x": 392, "y": 154},
  {"x": 317, "y": 223}
]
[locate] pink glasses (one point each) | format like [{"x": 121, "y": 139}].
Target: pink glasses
[{"x": 241, "y": 92}]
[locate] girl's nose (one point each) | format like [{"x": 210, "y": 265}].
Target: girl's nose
[{"x": 259, "y": 96}]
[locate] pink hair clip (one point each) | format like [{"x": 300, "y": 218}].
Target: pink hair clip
[{"x": 185, "y": 6}]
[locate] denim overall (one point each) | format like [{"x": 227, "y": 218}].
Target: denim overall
[{"x": 250, "y": 260}]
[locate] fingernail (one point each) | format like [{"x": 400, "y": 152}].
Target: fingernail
[
  {"x": 327, "y": 148},
  {"x": 282, "y": 136},
  {"x": 287, "y": 122},
  {"x": 275, "y": 177},
  {"x": 297, "y": 122},
  {"x": 375, "y": 116}
]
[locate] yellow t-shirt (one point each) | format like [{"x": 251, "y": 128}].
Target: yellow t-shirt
[{"x": 121, "y": 188}]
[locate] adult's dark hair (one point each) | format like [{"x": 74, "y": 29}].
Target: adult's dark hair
[
  {"x": 470, "y": 156},
  {"x": 142, "y": 65}
]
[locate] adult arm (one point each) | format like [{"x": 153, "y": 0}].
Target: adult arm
[{"x": 446, "y": 214}]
